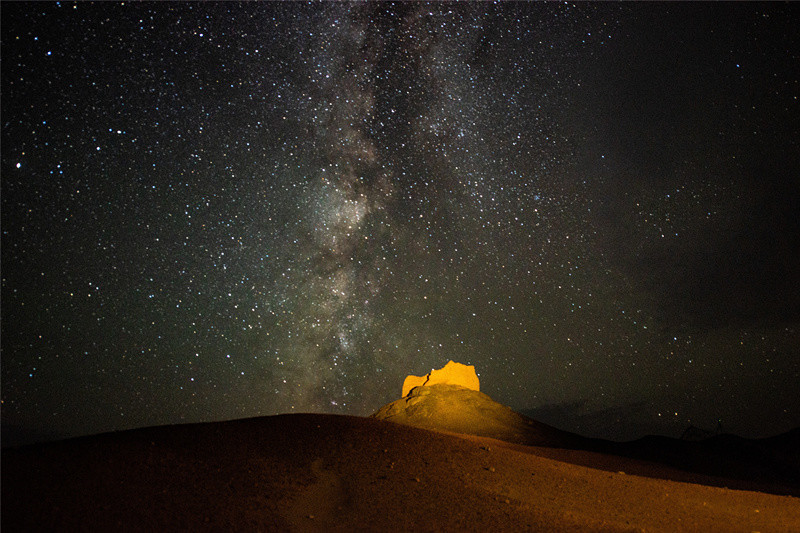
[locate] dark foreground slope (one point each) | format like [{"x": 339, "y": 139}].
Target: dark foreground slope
[
  {"x": 322, "y": 472},
  {"x": 769, "y": 465}
]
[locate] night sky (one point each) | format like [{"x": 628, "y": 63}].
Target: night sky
[{"x": 215, "y": 211}]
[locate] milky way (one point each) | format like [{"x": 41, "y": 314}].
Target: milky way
[{"x": 213, "y": 211}]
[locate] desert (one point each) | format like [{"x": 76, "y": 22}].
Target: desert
[{"x": 314, "y": 472}]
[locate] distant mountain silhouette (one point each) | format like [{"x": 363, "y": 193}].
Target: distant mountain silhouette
[
  {"x": 695, "y": 433},
  {"x": 773, "y": 461}
]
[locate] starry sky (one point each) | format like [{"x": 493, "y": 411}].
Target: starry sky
[{"x": 223, "y": 210}]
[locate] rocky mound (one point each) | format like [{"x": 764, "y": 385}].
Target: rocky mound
[{"x": 454, "y": 408}]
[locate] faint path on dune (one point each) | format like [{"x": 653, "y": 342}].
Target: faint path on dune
[{"x": 319, "y": 504}]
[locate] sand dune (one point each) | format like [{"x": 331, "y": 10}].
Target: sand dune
[
  {"x": 339, "y": 473},
  {"x": 768, "y": 465}
]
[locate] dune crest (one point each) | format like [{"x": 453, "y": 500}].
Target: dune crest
[{"x": 450, "y": 374}]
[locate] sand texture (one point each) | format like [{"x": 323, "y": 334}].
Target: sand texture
[{"x": 340, "y": 473}]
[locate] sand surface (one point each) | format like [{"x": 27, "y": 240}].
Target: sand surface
[{"x": 338, "y": 473}]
